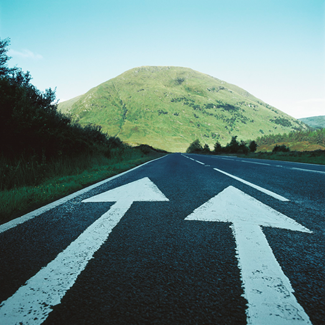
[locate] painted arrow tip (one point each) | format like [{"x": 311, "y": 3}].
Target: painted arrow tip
[
  {"x": 141, "y": 190},
  {"x": 235, "y": 206}
]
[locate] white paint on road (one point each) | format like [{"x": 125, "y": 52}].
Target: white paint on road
[
  {"x": 199, "y": 162},
  {"x": 194, "y": 160},
  {"x": 254, "y": 162},
  {"x": 32, "y": 303},
  {"x": 248, "y": 161},
  {"x": 266, "y": 288},
  {"x": 37, "y": 212},
  {"x": 259, "y": 188},
  {"x": 309, "y": 170}
]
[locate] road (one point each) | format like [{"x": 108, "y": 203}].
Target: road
[{"x": 184, "y": 239}]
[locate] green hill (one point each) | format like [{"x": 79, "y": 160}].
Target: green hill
[
  {"x": 317, "y": 122},
  {"x": 169, "y": 107}
]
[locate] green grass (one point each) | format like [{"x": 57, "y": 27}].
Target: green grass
[
  {"x": 65, "y": 178},
  {"x": 309, "y": 157},
  {"x": 294, "y": 146},
  {"x": 170, "y": 107}
]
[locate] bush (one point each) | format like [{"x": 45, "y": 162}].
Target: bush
[{"x": 281, "y": 148}]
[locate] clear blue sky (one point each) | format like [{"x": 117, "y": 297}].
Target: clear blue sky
[{"x": 273, "y": 49}]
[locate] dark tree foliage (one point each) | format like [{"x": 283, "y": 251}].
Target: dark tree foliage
[
  {"x": 243, "y": 148},
  {"x": 281, "y": 148},
  {"x": 281, "y": 121},
  {"x": 179, "y": 80},
  {"x": 4, "y": 70},
  {"x": 195, "y": 147},
  {"x": 217, "y": 148},
  {"x": 30, "y": 124},
  {"x": 233, "y": 146},
  {"x": 252, "y": 146},
  {"x": 206, "y": 149}
]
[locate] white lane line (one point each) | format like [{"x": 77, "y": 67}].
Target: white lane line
[
  {"x": 267, "y": 289},
  {"x": 199, "y": 162},
  {"x": 194, "y": 160},
  {"x": 188, "y": 157},
  {"x": 276, "y": 196},
  {"x": 308, "y": 170},
  {"x": 32, "y": 303},
  {"x": 257, "y": 163},
  {"x": 35, "y": 213},
  {"x": 253, "y": 162}
]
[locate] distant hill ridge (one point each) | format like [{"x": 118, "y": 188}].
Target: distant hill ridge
[
  {"x": 317, "y": 122},
  {"x": 169, "y": 107}
]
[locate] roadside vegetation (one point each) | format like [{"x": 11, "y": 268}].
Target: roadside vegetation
[
  {"x": 233, "y": 147},
  {"x": 278, "y": 152},
  {"x": 44, "y": 154},
  {"x": 310, "y": 140}
]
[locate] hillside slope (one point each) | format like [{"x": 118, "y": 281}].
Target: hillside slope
[
  {"x": 317, "y": 122},
  {"x": 169, "y": 107}
]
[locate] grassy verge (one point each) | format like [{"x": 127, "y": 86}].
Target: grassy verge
[
  {"x": 65, "y": 178},
  {"x": 309, "y": 157}
]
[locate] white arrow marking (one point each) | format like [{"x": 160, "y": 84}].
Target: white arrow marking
[
  {"x": 266, "y": 288},
  {"x": 15, "y": 222},
  {"x": 32, "y": 303}
]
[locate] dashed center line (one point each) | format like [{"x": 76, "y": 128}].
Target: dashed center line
[
  {"x": 258, "y": 163},
  {"x": 199, "y": 162},
  {"x": 259, "y": 188},
  {"x": 253, "y": 162}
]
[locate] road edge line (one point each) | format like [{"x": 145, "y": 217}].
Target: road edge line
[{"x": 28, "y": 216}]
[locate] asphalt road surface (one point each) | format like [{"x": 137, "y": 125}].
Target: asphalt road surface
[{"x": 184, "y": 239}]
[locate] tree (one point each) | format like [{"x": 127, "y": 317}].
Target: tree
[
  {"x": 195, "y": 146},
  {"x": 26, "y": 114},
  {"x": 233, "y": 146},
  {"x": 243, "y": 148},
  {"x": 31, "y": 126},
  {"x": 206, "y": 149},
  {"x": 252, "y": 146},
  {"x": 4, "y": 70},
  {"x": 217, "y": 148}
]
